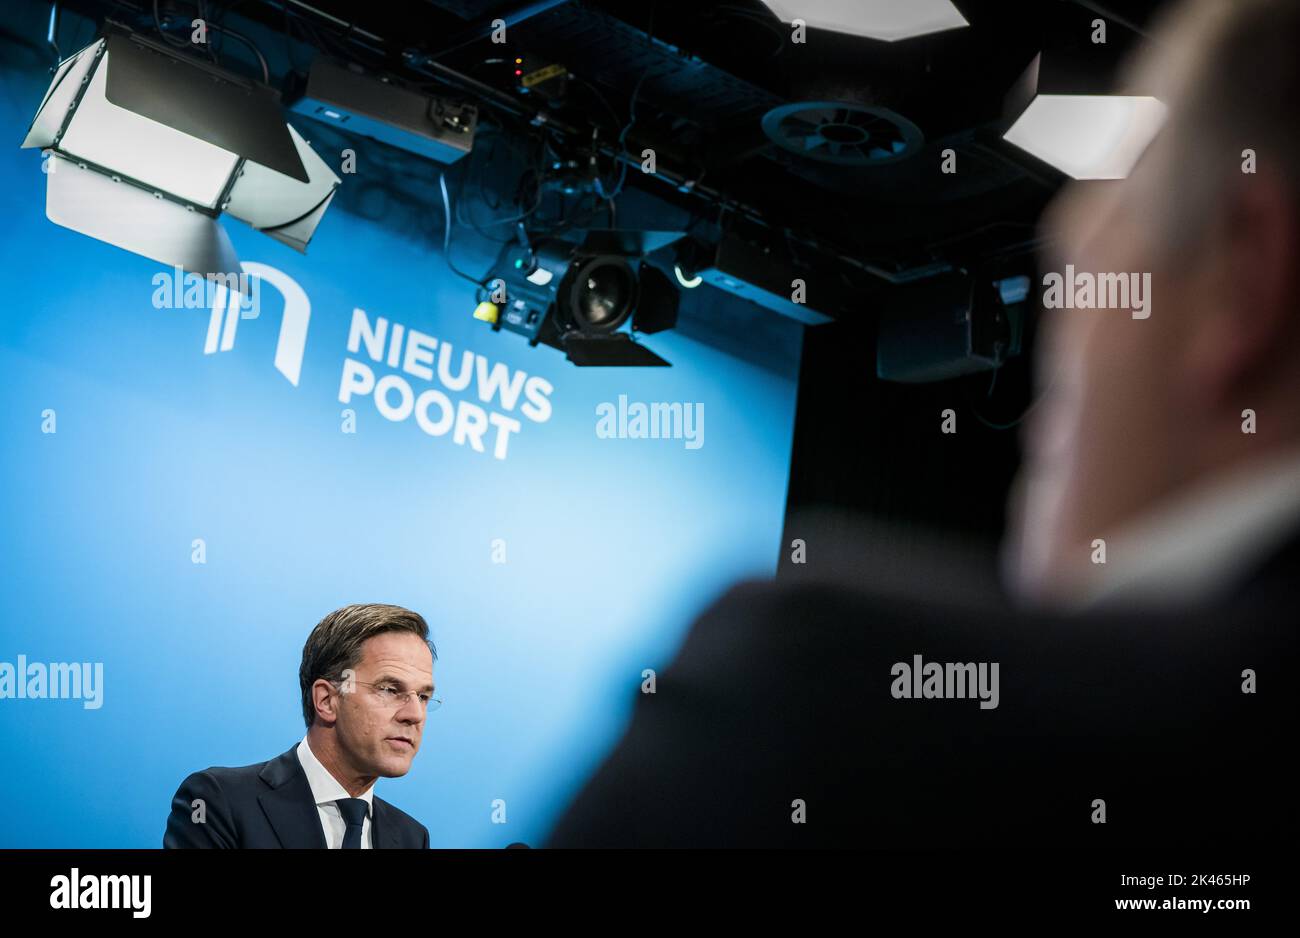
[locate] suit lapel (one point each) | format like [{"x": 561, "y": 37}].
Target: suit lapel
[
  {"x": 289, "y": 806},
  {"x": 383, "y": 833}
]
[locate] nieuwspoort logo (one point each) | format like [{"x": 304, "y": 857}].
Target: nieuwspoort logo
[
  {"x": 457, "y": 393},
  {"x": 229, "y": 306}
]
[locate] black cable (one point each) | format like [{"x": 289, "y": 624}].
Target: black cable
[
  {"x": 225, "y": 31},
  {"x": 446, "y": 234},
  {"x": 331, "y": 44},
  {"x": 622, "y": 143},
  {"x": 466, "y": 218},
  {"x": 618, "y": 121},
  {"x": 220, "y": 30},
  {"x": 1003, "y": 426},
  {"x": 537, "y": 173},
  {"x": 218, "y": 22},
  {"x": 1023, "y": 414},
  {"x": 631, "y": 119},
  {"x": 567, "y": 223},
  {"x": 167, "y": 37}
]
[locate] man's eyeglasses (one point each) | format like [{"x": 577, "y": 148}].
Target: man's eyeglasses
[{"x": 390, "y": 696}]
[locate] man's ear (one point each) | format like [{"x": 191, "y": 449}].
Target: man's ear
[
  {"x": 325, "y": 701},
  {"x": 1246, "y": 339}
]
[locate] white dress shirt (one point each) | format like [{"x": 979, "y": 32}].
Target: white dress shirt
[
  {"x": 325, "y": 788},
  {"x": 1202, "y": 544}
]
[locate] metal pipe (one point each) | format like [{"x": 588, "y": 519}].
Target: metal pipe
[{"x": 508, "y": 18}]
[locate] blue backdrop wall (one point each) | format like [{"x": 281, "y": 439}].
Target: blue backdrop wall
[{"x": 610, "y": 545}]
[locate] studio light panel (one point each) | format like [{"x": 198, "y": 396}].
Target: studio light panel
[
  {"x": 151, "y": 145},
  {"x": 886, "y": 20}
]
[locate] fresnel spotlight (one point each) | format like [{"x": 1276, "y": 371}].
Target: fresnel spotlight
[{"x": 578, "y": 297}]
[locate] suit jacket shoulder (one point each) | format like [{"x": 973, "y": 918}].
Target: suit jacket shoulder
[
  {"x": 400, "y": 829},
  {"x": 268, "y": 805},
  {"x": 208, "y": 807},
  {"x": 778, "y": 724}
]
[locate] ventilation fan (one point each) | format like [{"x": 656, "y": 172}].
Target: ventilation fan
[{"x": 842, "y": 134}]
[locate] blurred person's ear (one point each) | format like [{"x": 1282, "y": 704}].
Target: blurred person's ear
[{"x": 1250, "y": 334}]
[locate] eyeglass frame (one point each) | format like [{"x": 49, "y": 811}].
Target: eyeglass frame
[{"x": 432, "y": 704}]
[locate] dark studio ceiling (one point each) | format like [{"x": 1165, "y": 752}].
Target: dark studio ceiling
[
  {"x": 709, "y": 72},
  {"x": 701, "y": 77}
]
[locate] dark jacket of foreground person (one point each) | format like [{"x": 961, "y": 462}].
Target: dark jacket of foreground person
[{"x": 781, "y": 694}]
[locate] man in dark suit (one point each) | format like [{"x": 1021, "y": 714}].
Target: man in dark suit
[
  {"x": 1143, "y": 692},
  {"x": 367, "y": 684},
  {"x": 778, "y": 723}
]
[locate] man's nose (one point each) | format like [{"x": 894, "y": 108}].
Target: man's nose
[{"x": 410, "y": 711}]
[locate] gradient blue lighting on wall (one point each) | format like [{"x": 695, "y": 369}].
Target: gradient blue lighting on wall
[{"x": 612, "y": 545}]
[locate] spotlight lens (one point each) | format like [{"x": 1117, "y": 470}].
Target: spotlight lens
[
  {"x": 604, "y": 295},
  {"x": 596, "y": 294}
]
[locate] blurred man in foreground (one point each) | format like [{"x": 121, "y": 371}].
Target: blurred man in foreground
[
  {"x": 830, "y": 711},
  {"x": 1177, "y": 439}
]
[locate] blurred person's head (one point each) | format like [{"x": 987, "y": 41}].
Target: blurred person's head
[
  {"x": 366, "y": 678},
  {"x": 1137, "y": 411}
]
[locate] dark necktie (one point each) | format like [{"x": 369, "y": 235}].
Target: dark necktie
[{"x": 354, "y": 814}]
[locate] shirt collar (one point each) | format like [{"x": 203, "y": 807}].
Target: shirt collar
[
  {"x": 325, "y": 788},
  {"x": 1203, "y": 543}
]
